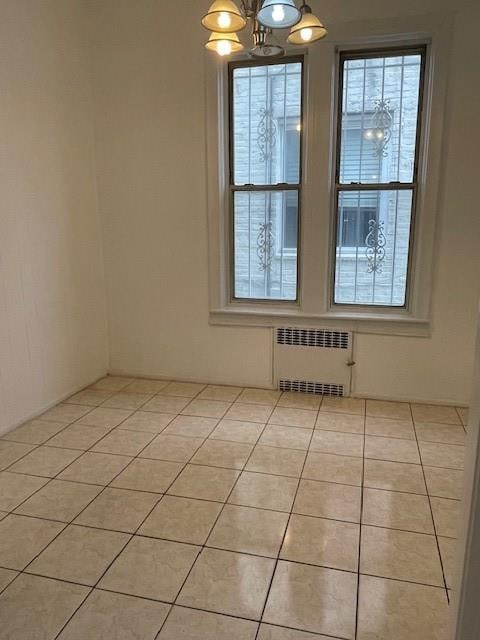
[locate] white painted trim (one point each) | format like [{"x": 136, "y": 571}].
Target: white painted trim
[
  {"x": 316, "y": 243},
  {"x": 216, "y": 87},
  {"x": 466, "y": 610},
  {"x": 410, "y": 399},
  {"x": 400, "y": 325},
  {"x": 205, "y": 380}
]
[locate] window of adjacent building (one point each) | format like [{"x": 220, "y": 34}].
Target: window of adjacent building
[
  {"x": 265, "y": 177},
  {"x": 380, "y": 96}
]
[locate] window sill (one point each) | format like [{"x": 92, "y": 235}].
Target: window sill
[{"x": 399, "y": 323}]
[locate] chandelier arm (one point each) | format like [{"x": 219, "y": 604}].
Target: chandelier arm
[{"x": 250, "y": 7}]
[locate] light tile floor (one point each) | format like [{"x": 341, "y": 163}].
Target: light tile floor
[{"x": 149, "y": 510}]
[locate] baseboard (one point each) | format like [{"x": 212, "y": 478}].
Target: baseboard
[
  {"x": 366, "y": 396},
  {"x": 206, "y": 380},
  {"x": 417, "y": 400},
  {"x": 50, "y": 405}
]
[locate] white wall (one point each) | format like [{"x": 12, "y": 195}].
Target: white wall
[
  {"x": 52, "y": 309},
  {"x": 440, "y": 368},
  {"x": 149, "y": 80},
  {"x": 150, "y": 128}
]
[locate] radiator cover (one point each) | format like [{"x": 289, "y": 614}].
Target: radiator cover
[{"x": 313, "y": 360}]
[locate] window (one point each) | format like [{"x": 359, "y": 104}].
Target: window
[
  {"x": 380, "y": 96},
  {"x": 323, "y": 196},
  {"x": 265, "y": 176}
]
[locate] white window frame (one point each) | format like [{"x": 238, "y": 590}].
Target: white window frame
[
  {"x": 258, "y": 188},
  {"x": 367, "y": 187},
  {"x": 316, "y": 226}
]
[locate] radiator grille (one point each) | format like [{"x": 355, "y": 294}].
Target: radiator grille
[
  {"x": 313, "y": 338},
  {"x": 304, "y": 386}
]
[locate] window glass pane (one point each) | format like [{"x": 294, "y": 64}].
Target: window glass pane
[
  {"x": 373, "y": 235},
  {"x": 265, "y": 244},
  {"x": 355, "y": 224},
  {"x": 379, "y": 118},
  {"x": 266, "y": 123},
  {"x": 290, "y": 222}
]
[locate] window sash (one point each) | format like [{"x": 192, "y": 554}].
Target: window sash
[
  {"x": 261, "y": 188},
  {"x": 372, "y": 54},
  {"x": 393, "y": 185},
  {"x": 287, "y": 253}
]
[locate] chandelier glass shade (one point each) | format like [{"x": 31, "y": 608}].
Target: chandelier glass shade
[
  {"x": 224, "y": 19},
  {"x": 309, "y": 29},
  {"x": 224, "y": 43},
  {"x": 279, "y": 14}
]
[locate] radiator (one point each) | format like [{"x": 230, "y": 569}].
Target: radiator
[{"x": 313, "y": 360}]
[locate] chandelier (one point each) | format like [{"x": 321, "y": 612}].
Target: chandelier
[{"x": 224, "y": 19}]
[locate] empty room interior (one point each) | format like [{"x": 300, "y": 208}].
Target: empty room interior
[{"x": 239, "y": 288}]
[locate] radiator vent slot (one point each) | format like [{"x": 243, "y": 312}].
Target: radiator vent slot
[
  {"x": 324, "y": 338},
  {"x": 304, "y": 386}
]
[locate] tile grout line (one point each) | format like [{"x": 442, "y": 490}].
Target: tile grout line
[
  {"x": 431, "y": 511},
  {"x": 156, "y": 504},
  {"x": 304, "y": 515},
  {"x": 158, "y": 433},
  {"x": 185, "y": 463},
  {"x": 78, "y": 422},
  {"x": 70, "y": 523},
  {"x": 41, "y": 444},
  {"x": 137, "y": 456},
  {"x": 24, "y": 572},
  {"x": 277, "y": 559},
  {"x": 357, "y": 606},
  {"x": 182, "y": 606},
  {"x": 49, "y": 481},
  {"x": 224, "y": 504},
  {"x": 214, "y": 548},
  {"x": 132, "y": 536},
  {"x": 268, "y": 424},
  {"x": 176, "y": 415},
  {"x": 304, "y": 564},
  {"x": 155, "y": 434},
  {"x": 461, "y": 419}
]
